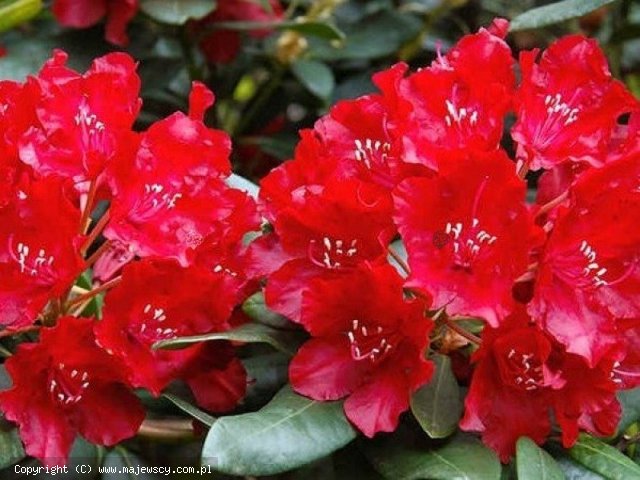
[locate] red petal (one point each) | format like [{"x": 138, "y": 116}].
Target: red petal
[{"x": 323, "y": 369}]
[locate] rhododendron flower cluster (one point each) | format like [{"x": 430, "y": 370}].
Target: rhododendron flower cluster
[
  {"x": 401, "y": 219},
  {"x": 148, "y": 218},
  {"x": 555, "y": 283}
]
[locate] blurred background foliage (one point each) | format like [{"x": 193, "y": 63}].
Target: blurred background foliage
[
  {"x": 315, "y": 53},
  {"x": 318, "y": 52}
]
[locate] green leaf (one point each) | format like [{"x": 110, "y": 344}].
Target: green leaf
[
  {"x": 375, "y": 36},
  {"x": 437, "y": 406},
  {"x": 266, "y": 6},
  {"x": 94, "y": 306},
  {"x": 630, "y": 402},
  {"x": 279, "y": 145},
  {"x": 189, "y": 409},
  {"x": 574, "y": 471},
  {"x": 25, "y": 57},
  {"x": 314, "y": 29},
  {"x": 16, "y": 12},
  {"x": 11, "y": 450},
  {"x": 266, "y": 374},
  {"x": 290, "y": 431},
  {"x": 463, "y": 458},
  {"x": 555, "y": 13},
  {"x": 315, "y": 76},
  {"x": 255, "y": 308},
  {"x": 177, "y": 12},
  {"x": 533, "y": 463},
  {"x": 604, "y": 459},
  {"x": 241, "y": 183},
  {"x": 286, "y": 342}
]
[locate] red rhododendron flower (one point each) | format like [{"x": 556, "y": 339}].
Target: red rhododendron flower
[
  {"x": 461, "y": 99},
  {"x": 324, "y": 233},
  {"x": 66, "y": 385},
  {"x": 468, "y": 234},
  {"x": 567, "y": 105},
  {"x": 39, "y": 242},
  {"x": 522, "y": 374},
  {"x": 222, "y": 46},
  {"x": 81, "y": 118},
  {"x": 165, "y": 207},
  {"x": 159, "y": 300},
  {"x": 367, "y": 347},
  {"x": 355, "y": 140},
  {"x": 589, "y": 274},
  {"x": 86, "y": 13}
]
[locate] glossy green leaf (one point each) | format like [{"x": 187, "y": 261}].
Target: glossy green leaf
[
  {"x": 280, "y": 146},
  {"x": 533, "y": 463},
  {"x": 255, "y": 308},
  {"x": 286, "y": 342},
  {"x": 315, "y": 76},
  {"x": 314, "y": 29},
  {"x": 177, "y": 12},
  {"x": 11, "y": 450},
  {"x": 630, "y": 402},
  {"x": 437, "y": 405},
  {"x": 189, "y": 409},
  {"x": 375, "y": 36},
  {"x": 555, "y": 13},
  {"x": 604, "y": 459},
  {"x": 463, "y": 458},
  {"x": 16, "y": 12},
  {"x": 290, "y": 431},
  {"x": 574, "y": 471},
  {"x": 266, "y": 374},
  {"x": 241, "y": 183},
  {"x": 25, "y": 57}
]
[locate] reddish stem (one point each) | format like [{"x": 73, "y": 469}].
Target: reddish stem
[
  {"x": 96, "y": 291},
  {"x": 547, "y": 207},
  {"x": 396, "y": 256},
  {"x": 462, "y": 332},
  {"x": 88, "y": 208},
  {"x": 10, "y": 333},
  {"x": 523, "y": 169},
  {"x": 95, "y": 232},
  {"x": 97, "y": 254}
]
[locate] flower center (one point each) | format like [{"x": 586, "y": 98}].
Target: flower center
[
  {"x": 38, "y": 265},
  {"x": 592, "y": 271},
  {"x": 93, "y": 135},
  {"x": 332, "y": 253},
  {"x": 372, "y": 153},
  {"x": 460, "y": 117},
  {"x": 221, "y": 269},
  {"x": 559, "y": 115},
  {"x": 369, "y": 342},
  {"x": 524, "y": 370},
  {"x": 560, "y": 110},
  {"x": 156, "y": 198},
  {"x": 467, "y": 243},
  {"x": 151, "y": 328},
  {"x": 581, "y": 268},
  {"x": 67, "y": 386}
]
